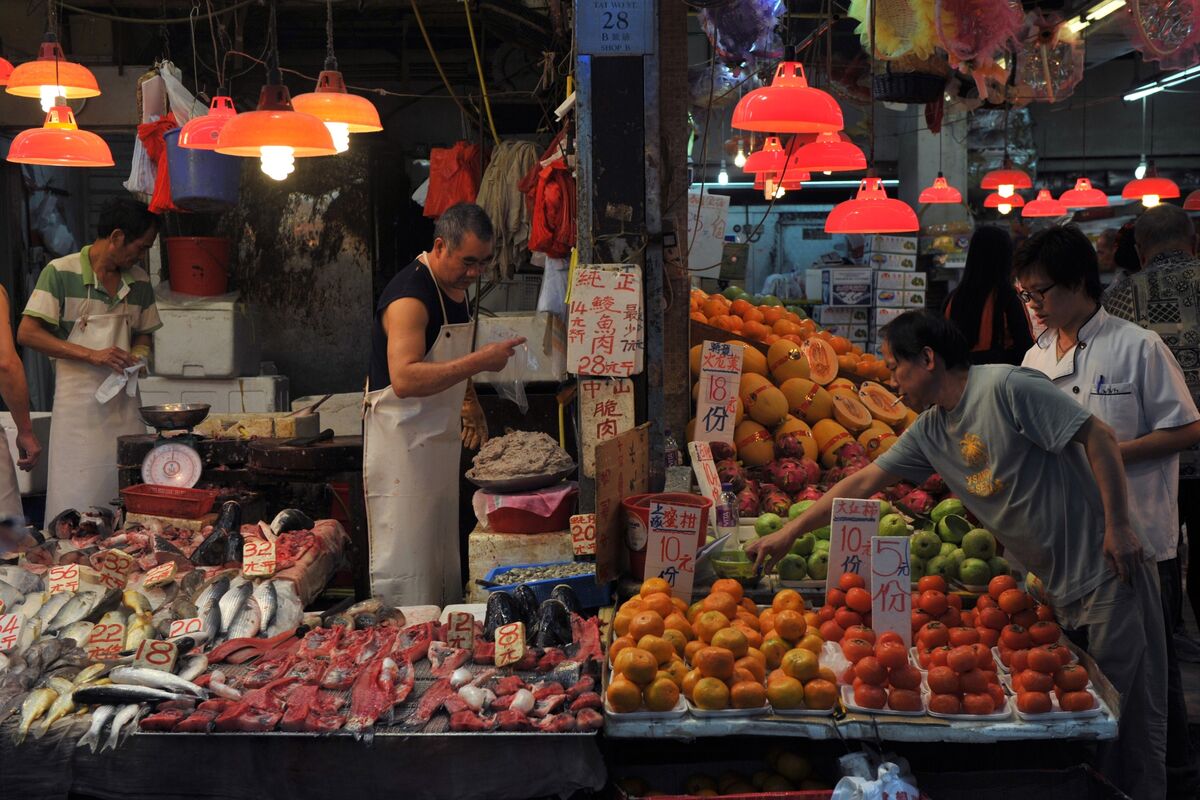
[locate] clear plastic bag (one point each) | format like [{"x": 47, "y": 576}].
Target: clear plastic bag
[
  {"x": 891, "y": 784},
  {"x": 521, "y": 366}
]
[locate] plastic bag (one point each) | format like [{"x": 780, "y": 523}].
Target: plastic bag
[
  {"x": 127, "y": 379},
  {"x": 552, "y": 296},
  {"x": 891, "y": 784},
  {"x": 161, "y": 93}
]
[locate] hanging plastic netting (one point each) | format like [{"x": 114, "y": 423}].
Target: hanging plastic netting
[
  {"x": 1166, "y": 31},
  {"x": 744, "y": 32},
  {"x": 719, "y": 84},
  {"x": 975, "y": 33},
  {"x": 1049, "y": 62},
  {"x": 903, "y": 27}
]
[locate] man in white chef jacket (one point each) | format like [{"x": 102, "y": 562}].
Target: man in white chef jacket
[{"x": 1126, "y": 376}]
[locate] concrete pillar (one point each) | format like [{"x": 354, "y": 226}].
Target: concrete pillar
[{"x": 922, "y": 154}]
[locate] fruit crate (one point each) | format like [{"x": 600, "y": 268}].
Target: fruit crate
[
  {"x": 1074, "y": 783},
  {"x": 590, "y": 594}
]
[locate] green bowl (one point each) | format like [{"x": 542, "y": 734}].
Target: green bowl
[{"x": 737, "y": 565}]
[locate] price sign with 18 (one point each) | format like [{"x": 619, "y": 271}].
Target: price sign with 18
[
  {"x": 720, "y": 380},
  {"x": 510, "y": 643},
  {"x": 852, "y": 525},
  {"x": 156, "y": 654}
]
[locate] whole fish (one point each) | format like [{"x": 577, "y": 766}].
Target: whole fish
[
  {"x": 122, "y": 693},
  {"x": 232, "y": 602},
  {"x": 21, "y": 579},
  {"x": 36, "y": 704},
  {"x": 99, "y": 718},
  {"x": 32, "y": 605},
  {"x": 53, "y": 605},
  {"x": 291, "y": 519},
  {"x": 154, "y": 679},
  {"x": 135, "y": 601},
  {"x": 120, "y": 720},
  {"x": 289, "y": 611},
  {"x": 139, "y": 630},
  {"x": 10, "y": 596},
  {"x": 193, "y": 667},
  {"x": 29, "y": 634},
  {"x": 246, "y": 622},
  {"x": 64, "y": 704},
  {"x": 82, "y": 606},
  {"x": 212, "y": 593},
  {"x": 264, "y": 595},
  {"x": 77, "y": 631},
  {"x": 88, "y": 674},
  {"x": 115, "y": 617}
]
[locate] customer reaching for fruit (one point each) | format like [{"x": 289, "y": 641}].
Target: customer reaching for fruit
[{"x": 1046, "y": 476}]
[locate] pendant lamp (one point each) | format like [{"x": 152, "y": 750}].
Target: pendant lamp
[
  {"x": 792, "y": 181},
  {"x": 872, "y": 211},
  {"x": 1007, "y": 180},
  {"x": 1044, "y": 205},
  {"x": 1151, "y": 190},
  {"x": 1192, "y": 203},
  {"x": 1083, "y": 196},
  {"x": 50, "y": 76},
  {"x": 940, "y": 192},
  {"x": 60, "y": 143},
  {"x": 6, "y": 69},
  {"x": 201, "y": 133},
  {"x": 1003, "y": 204},
  {"x": 771, "y": 158},
  {"x": 829, "y": 153},
  {"x": 788, "y": 105}
]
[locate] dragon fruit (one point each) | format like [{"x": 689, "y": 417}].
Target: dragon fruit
[
  {"x": 722, "y": 451},
  {"x": 898, "y": 490},
  {"x": 788, "y": 474},
  {"x": 748, "y": 502},
  {"x": 934, "y": 485},
  {"x": 851, "y": 453},
  {"x": 812, "y": 471},
  {"x": 836, "y": 474},
  {"x": 731, "y": 472},
  {"x": 918, "y": 503},
  {"x": 774, "y": 501},
  {"x": 789, "y": 445},
  {"x": 811, "y": 492}
]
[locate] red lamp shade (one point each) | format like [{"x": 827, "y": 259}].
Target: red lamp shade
[
  {"x": 1083, "y": 196},
  {"x": 1006, "y": 180},
  {"x": 60, "y": 143},
  {"x": 332, "y": 103},
  {"x": 792, "y": 181},
  {"x": 275, "y": 134},
  {"x": 829, "y": 153},
  {"x": 51, "y": 69},
  {"x": 1192, "y": 203},
  {"x": 201, "y": 133},
  {"x": 1044, "y": 205},
  {"x": 6, "y": 69},
  {"x": 940, "y": 192},
  {"x": 788, "y": 105},
  {"x": 1003, "y": 204},
  {"x": 771, "y": 158},
  {"x": 872, "y": 211},
  {"x": 1150, "y": 189}
]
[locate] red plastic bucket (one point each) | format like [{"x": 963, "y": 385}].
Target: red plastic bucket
[
  {"x": 637, "y": 523},
  {"x": 198, "y": 265}
]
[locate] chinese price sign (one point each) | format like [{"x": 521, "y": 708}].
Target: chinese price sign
[
  {"x": 160, "y": 575},
  {"x": 583, "y": 534},
  {"x": 720, "y": 378},
  {"x": 706, "y": 472},
  {"x": 156, "y": 654},
  {"x": 605, "y": 411},
  {"x": 105, "y": 641},
  {"x": 891, "y": 597},
  {"x": 113, "y": 567},
  {"x": 185, "y": 627},
  {"x": 460, "y": 630},
  {"x": 622, "y": 471},
  {"x": 671, "y": 546},
  {"x": 64, "y": 578},
  {"x": 510, "y": 643},
  {"x": 10, "y": 631},
  {"x": 258, "y": 558},
  {"x": 853, "y": 524},
  {"x": 604, "y": 324},
  {"x": 708, "y": 215}
]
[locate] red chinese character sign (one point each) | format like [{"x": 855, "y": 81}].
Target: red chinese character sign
[
  {"x": 605, "y": 337},
  {"x": 720, "y": 379},
  {"x": 851, "y": 527},
  {"x": 891, "y": 592},
  {"x": 622, "y": 470},
  {"x": 674, "y": 537},
  {"x": 583, "y": 534},
  {"x": 10, "y": 631},
  {"x": 706, "y": 471},
  {"x": 606, "y": 411},
  {"x": 510, "y": 644}
]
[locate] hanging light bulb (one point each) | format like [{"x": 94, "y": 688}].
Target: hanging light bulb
[
  {"x": 1044, "y": 205},
  {"x": 1006, "y": 180},
  {"x": 739, "y": 160},
  {"x": 1083, "y": 196},
  {"x": 50, "y": 76},
  {"x": 788, "y": 105},
  {"x": 60, "y": 143},
  {"x": 940, "y": 192},
  {"x": 1139, "y": 171},
  {"x": 872, "y": 211},
  {"x": 771, "y": 158},
  {"x": 1150, "y": 188},
  {"x": 1003, "y": 204},
  {"x": 723, "y": 175}
]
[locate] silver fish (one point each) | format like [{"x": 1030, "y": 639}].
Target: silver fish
[
  {"x": 30, "y": 633},
  {"x": 36, "y": 704},
  {"x": 122, "y": 693},
  {"x": 264, "y": 595},
  {"x": 231, "y": 603},
  {"x": 247, "y": 621},
  {"x": 155, "y": 679},
  {"x": 289, "y": 611},
  {"x": 82, "y": 606},
  {"x": 77, "y": 631},
  {"x": 21, "y": 579},
  {"x": 10, "y": 596},
  {"x": 100, "y": 717},
  {"x": 120, "y": 720},
  {"x": 211, "y": 594},
  {"x": 193, "y": 667},
  {"x": 116, "y": 617},
  {"x": 53, "y": 605},
  {"x": 32, "y": 605}
]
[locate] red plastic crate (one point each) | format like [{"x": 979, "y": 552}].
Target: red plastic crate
[{"x": 168, "y": 501}]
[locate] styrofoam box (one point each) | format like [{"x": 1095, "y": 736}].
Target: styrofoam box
[
  {"x": 225, "y": 395},
  {"x": 812, "y": 283},
  {"x": 546, "y": 347},
  {"x": 33, "y": 482},
  {"x": 881, "y": 243},
  {"x": 842, "y": 315},
  {"x": 342, "y": 412},
  {"x": 891, "y": 261},
  {"x": 846, "y": 287},
  {"x": 205, "y": 339},
  {"x": 855, "y": 333}
]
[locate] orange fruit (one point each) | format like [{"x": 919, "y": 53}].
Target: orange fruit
[
  {"x": 812, "y": 620},
  {"x": 619, "y": 644},
  {"x": 636, "y": 664},
  {"x": 847, "y": 363},
  {"x": 661, "y": 695},
  {"x": 658, "y": 603},
  {"x": 708, "y": 623},
  {"x": 662, "y": 650},
  {"x": 621, "y": 622},
  {"x": 633, "y": 604},
  {"x": 787, "y": 600},
  {"x": 711, "y": 694},
  {"x": 840, "y": 345},
  {"x": 740, "y": 674},
  {"x": 750, "y": 314},
  {"x": 646, "y": 623},
  {"x": 624, "y": 695},
  {"x": 689, "y": 682},
  {"x": 676, "y": 622},
  {"x": 800, "y": 664},
  {"x": 753, "y": 637},
  {"x": 680, "y": 605},
  {"x": 689, "y": 650},
  {"x": 714, "y": 662},
  {"x": 758, "y": 655},
  {"x": 748, "y": 620},
  {"x": 732, "y": 640},
  {"x": 729, "y": 586},
  {"x": 740, "y": 307},
  {"x": 677, "y": 670},
  {"x": 694, "y": 610},
  {"x": 766, "y": 620},
  {"x": 811, "y": 642},
  {"x": 790, "y": 625},
  {"x": 826, "y": 674},
  {"x": 655, "y": 586},
  {"x": 786, "y": 693},
  {"x": 677, "y": 641},
  {"x": 724, "y": 602},
  {"x": 748, "y": 694},
  {"x": 774, "y": 650},
  {"x": 820, "y": 693},
  {"x": 756, "y": 668}
]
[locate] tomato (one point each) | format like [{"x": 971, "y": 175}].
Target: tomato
[
  {"x": 856, "y": 650},
  {"x": 1045, "y": 633},
  {"x": 869, "y": 670},
  {"x": 835, "y": 597},
  {"x": 1034, "y": 681},
  {"x": 992, "y": 618},
  {"x": 1071, "y": 678},
  {"x": 1000, "y": 584},
  {"x": 989, "y": 637},
  {"x": 905, "y": 700},
  {"x": 847, "y": 618},
  {"x": 859, "y": 600},
  {"x": 1044, "y": 660},
  {"x": 961, "y": 659},
  {"x": 851, "y": 580},
  {"x": 974, "y": 680},
  {"x": 934, "y": 583},
  {"x": 978, "y": 703},
  {"x": 952, "y": 618},
  {"x": 933, "y": 603},
  {"x": 999, "y": 698},
  {"x": 1015, "y": 637},
  {"x": 945, "y": 704},
  {"x": 967, "y": 618},
  {"x": 985, "y": 601},
  {"x": 935, "y": 634},
  {"x": 891, "y": 654},
  {"x": 905, "y": 677},
  {"x": 1034, "y": 703},
  {"x": 866, "y": 696},
  {"x": 960, "y": 636},
  {"x": 1045, "y": 613},
  {"x": 1077, "y": 701},
  {"x": 1012, "y": 601},
  {"x": 1026, "y": 619},
  {"x": 943, "y": 680},
  {"x": 925, "y": 659},
  {"x": 861, "y": 632}
]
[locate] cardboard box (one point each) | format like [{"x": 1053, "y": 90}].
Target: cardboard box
[
  {"x": 916, "y": 281},
  {"x": 891, "y": 261},
  {"x": 880, "y": 243},
  {"x": 945, "y": 243},
  {"x": 846, "y": 287},
  {"x": 855, "y": 333},
  {"x": 912, "y": 300},
  {"x": 955, "y": 261},
  {"x": 906, "y": 281},
  {"x": 885, "y": 315},
  {"x": 841, "y": 315}
]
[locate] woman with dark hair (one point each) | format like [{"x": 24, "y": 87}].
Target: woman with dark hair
[{"x": 985, "y": 306}]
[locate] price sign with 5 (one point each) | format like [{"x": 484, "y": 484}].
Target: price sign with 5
[
  {"x": 510, "y": 643},
  {"x": 891, "y": 598},
  {"x": 64, "y": 578}
]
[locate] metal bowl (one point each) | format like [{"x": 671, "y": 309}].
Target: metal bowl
[
  {"x": 524, "y": 483},
  {"x": 174, "y": 416}
]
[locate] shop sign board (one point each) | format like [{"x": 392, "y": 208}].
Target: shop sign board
[
  {"x": 614, "y": 27},
  {"x": 606, "y": 410},
  {"x": 891, "y": 595},
  {"x": 622, "y": 471},
  {"x": 707, "y": 217},
  {"x": 510, "y": 643},
  {"x": 605, "y": 334},
  {"x": 671, "y": 546},
  {"x": 853, "y": 524},
  {"x": 583, "y": 534},
  {"x": 156, "y": 654},
  {"x": 720, "y": 379},
  {"x": 10, "y": 631}
]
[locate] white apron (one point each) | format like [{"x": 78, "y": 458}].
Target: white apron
[
  {"x": 411, "y": 455},
  {"x": 83, "y": 432},
  {"x": 10, "y": 492}
]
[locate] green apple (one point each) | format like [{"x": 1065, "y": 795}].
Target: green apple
[
  {"x": 925, "y": 545},
  {"x": 974, "y": 572},
  {"x": 766, "y": 524},
  {"x": 999, "y": 566},
  {"x": 949, "y": 506},
  {"x": 885, "y": 508},
  {"x": 804, "y": 545},
  {"x": 945, "y": 566},
  {"x": 822, "y": 546},
  {"x": 799, "y": 508},
  {"x": 916, "y": 568},
  {"x": 793, "y": 568},
  {"x": 823, "y": 533},
  {"x": 979, "y": 544},
  {"x": 953, "y": 529},
  {"x": 959, "y": 556},
  {"x": 818, "y": 565},
  {"x": 948, "y": 549},
  {"x": 893, "y": 525}
]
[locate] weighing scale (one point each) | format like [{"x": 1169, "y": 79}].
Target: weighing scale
[{"x": 173, "y": 461}]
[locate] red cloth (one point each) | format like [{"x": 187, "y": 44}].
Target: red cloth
[
  {"x": 151, "y": 134},
  {"x": 550, "y": 193},
  {"x": 454, "y": 176}
]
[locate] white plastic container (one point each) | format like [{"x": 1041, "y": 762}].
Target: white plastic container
[
  {"x": 228, "y": 395},
  {"x": 205, "y": 339},
  {"x": 546, "y": 343},
  {"x": 33, "y": 482}
]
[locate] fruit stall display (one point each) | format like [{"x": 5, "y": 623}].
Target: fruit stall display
[{"x": 783, "y": 769}]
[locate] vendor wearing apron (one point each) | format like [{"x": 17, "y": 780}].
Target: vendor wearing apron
[
  {"x": 93, "y": 312},
  {"x": 414, "y": 412},
  {"x": 15, "y": 392}
]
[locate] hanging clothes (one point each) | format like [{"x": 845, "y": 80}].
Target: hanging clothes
[
  {"x": 550, "y": 190},
  {"x": 501, "y": 197},
  {"x": 150, "y": 134},
  {"x": 454, "y": 176}
]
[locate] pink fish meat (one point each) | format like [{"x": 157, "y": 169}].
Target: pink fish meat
[
  {"x": 413, "y": 642},
  {"x": 464, "y": 721},
  {"x": 320, "y": 642},
  {"x": 585, "y": 635},
  {"x": 559, "y": 723},
  {"x": 342, "y": 671},
  {"x": 374, "y": 693},
  {"x": 430, "y": 702},
  {"x": 198, "y": 722},
  {"x": 308, "y": 671},
  {"x": 445, "y": 659},
  {"x": 585, "y": 684},
  {"x": 587, "y": 700},
  {"x": 309, "y": 709},
  {"x": 589, "y": 719},
  {"x": 163, "y": 720},
  {"x": 268, "y": 668},
  {"x": 510, "y": 720},
  {"x": 405, "y": 676}
]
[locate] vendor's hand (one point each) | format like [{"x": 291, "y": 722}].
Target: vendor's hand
[
  {"x": 1122, "y": 549},
  {"x": 768, "y": 551},
  {"x": 29, "y": 449},
  {"x": 474, "y": 426},
  {"x": 494, "y": 357},
  {"x": 114, "y": 358}
]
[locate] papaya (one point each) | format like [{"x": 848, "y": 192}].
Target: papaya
[
  {"x": 694, "y": 359},
  {"x": 785, "y": 361},
  {"x": 822, "y": 360},
  {"x": 753, "y": 361},
  {"x": 877, "y": 439},
  {"x": 881, "y": 403},
  {"x": 841, "y": 383},
  {"x": 764, "y": 403},
  {"x": 831, "y": 437},
  {"x": 754, "y": 444},
  {"x": 803, "y": 433},
  {"x": 806, "y": 400},
  {"x": 848, "y": 411}
]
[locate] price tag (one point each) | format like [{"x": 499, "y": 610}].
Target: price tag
[
  {"x": 720, "y": 379},
  {"x": 10, "y": 631},
  {"x": 510, "y": 643},
  {"x": 460, "y": 630},
  {"x": 583, "y": 534},
  {"x": 105, "y": 641},
  {"x": 113, "y": 567},
  {"x": 156, "y": 654},
  {"x": 605, "y": 331},
  {"x": 853, "y": 524},
  {"x": 185, "y": 627},
  {"x": 64, "y": 578},
  {"x": 891, "y": 598},
  {"x": 706, "y": 474},
  {"x": 258, "y": 558},
  {"x": 671, "y": 545},
  {"x": 160, "y": 575}
]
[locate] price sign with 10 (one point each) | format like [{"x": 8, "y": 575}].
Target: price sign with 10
[
  {"x": 853, "y": 524},
  {"x": 675, "y": 534}
]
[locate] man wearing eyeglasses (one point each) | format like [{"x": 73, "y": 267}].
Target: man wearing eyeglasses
[{"x": 1126, "y": 376}]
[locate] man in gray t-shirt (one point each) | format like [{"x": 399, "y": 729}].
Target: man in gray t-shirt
[{"x": 1046, "y": 478}]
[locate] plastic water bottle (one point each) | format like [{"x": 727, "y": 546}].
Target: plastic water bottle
[
  {"x": 727, "y": 512},
  {"x": 672, "y": 455}
]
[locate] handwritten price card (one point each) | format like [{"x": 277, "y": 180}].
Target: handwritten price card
[
  {"x": 671, "y": 546},
  {"x": 156, "y": 654},
  {"x": 64, "y": 578},
  {"x": 706, "y": 474},
  {"x": 510, "y": 643},
  {"x": 113, "y": 567},
  {"x": 258, "y": 558},
  {"x": 185, "y": 627},
  {"x": 606, "y": 411},
  {"x": 583, "y": 534},
  {"x": 621, "y": 471},
  {"x": 891, "y": 597},
  {"x": 707, "y": 217},
  {"x": 720, "y": 378},
  {"x": 460, "y": 631},
  {"x": 10, "y": 631},
  {"x": 605, "y": 336},
  {"x": 105, "y": 641},
  {"x": 853, "y": 524},
  {"x": 160, "y": 575}
]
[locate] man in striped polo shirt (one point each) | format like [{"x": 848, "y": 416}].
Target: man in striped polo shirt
[{"x": 93, "y": 313}]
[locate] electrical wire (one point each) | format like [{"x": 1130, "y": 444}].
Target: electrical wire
[
  {"x": 160, "y": 21},
  {"x": 487, "y": 105},
  {"x": 438, "y": 64}
]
